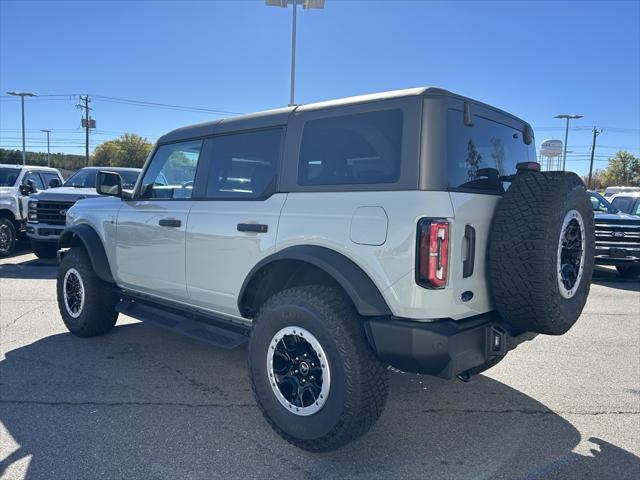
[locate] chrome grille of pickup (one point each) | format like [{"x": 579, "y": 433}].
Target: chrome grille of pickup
[
  {"x": 51, "y": 212},
  {"x": 617, "y": 234}
]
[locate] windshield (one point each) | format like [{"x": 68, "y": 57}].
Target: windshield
[
  {"x": 86, "y": 178},
  {"x": 8, "y": 176},
  {"x": 601, "y": 205}
]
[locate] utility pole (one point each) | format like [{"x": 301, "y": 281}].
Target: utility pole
[
  {"x": 595, "y": 132},
  {"x": 22, "y": 95},
  {"x": 48, "y": 152},
  {"x": 85, "y": 123}
]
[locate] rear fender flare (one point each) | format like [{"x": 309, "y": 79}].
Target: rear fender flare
[{"x": 364, "y": 294}]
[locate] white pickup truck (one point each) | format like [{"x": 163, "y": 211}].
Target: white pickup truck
[{"x": 17, "y": 182}]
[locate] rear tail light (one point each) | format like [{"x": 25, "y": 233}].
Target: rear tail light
[{"x": 432, "y": 256}]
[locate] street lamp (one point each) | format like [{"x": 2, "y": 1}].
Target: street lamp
[
  {"x": 22, "y": 95},
  {"x": 48, "y": 153},
  {"x": 305, "y": 4},
  {"x": 566, "y": 136}
]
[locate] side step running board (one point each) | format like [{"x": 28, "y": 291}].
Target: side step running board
[{"x": 209, "y": 330}]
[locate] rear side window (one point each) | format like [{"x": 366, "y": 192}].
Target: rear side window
[
  {"x": 479, "y": 155},
  {"x": 48, "y": 177},
  {"x": 363, "y": 148},
  {"x": 244, "y": 164}
]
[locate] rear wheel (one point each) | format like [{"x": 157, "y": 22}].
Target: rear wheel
[
  {"x": 86, "y": 303},
  {"x": 7, "y": 237},
  {"x": 314, "y": 375},
  {"x": 628, "y": 270},
  {"x": 44, "y": 249}
]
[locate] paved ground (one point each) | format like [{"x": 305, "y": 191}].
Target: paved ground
[{"x": 144, "y": 403}]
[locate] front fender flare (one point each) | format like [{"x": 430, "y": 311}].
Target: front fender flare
[
  {"x": 364, "y": 294},
  {"x": 92, "y": 244}
]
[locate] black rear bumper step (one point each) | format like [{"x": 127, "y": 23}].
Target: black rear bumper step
[
  {"x": 214, "y": 331},
  {"x": 444, "y": 348}
]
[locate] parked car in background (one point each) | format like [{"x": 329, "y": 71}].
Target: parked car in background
[
  {"x": 617, "y": 237},
  {"x": 627, "y": 202},
  {"x": 47, "y": 210},
  {"x": 611, "y": 191},
  {"x": 17, "y": 182}
]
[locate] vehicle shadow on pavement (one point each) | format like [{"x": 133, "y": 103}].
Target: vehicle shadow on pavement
[
  {"x": 44, "y": 269},
  {"x": 144, "y": 403},
  {"x": 19, "y": 265}
]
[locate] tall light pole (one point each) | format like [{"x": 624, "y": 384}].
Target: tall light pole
[
  {"x": 305, "y": 4},
  {"x": 566, "y": 136},
  {"x": 48, "y": 153},
  {"x": 22, "y": 95}
]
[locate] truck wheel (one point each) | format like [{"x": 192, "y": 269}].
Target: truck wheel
[
  {"x": 86, "y": 303},
  {"x": 541, "y": 252},
  {"x": 315, "y": 378},
  {"x": 628, "y": 270},
  {"x": 7, "y": 237},
  {"x": 44, "y": 249}
]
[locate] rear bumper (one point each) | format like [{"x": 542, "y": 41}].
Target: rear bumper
[{"x": 443, "y": 348}]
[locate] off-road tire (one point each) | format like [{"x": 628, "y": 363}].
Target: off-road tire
[
  {"x": 359, "y": 383},
  {"x": 523, "y": 251},
  {"x": 628, "y": 271},
  {"x": 97, "y": 315},
  {"x": 9, "y": 229},
  {"x": 44, "y": 249}
]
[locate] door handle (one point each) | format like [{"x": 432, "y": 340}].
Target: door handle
[
  {"x": 253, "y": 227},
  {"x": 468, "y": 263},
  {"x": 169, "y": 222}
]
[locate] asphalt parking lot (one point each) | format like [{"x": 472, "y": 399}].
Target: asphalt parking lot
[{"x": 144, "y": 403}]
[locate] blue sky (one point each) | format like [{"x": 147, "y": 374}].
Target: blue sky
[{"x": 534, "y": 59}]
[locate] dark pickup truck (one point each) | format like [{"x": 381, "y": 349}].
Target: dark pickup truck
[{"x": 617, "y": 237}]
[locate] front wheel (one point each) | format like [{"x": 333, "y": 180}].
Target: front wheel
[
  {"x": 314, "y": 375},
  {"x": 86, "y": 303},
  {"x": 629, "y": 271},
  {"x": 7, "y": 237}
]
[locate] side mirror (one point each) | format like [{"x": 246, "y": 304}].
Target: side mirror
[
  {"x": 109, "y": 183},
  {"x": 54, "y": 183},
  {"x": 28, "y": 188}
]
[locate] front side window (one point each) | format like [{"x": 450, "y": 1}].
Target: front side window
[
  {"x": 243, "y": 165},
  {"x": 172, "y": 171},
  {"x": 35, "y": 178},
  {"x": 481, "y": 155},
  {"x": 363, "y": 148}
]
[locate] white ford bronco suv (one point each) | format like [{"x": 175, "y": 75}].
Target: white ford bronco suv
[{"x": 410, "y": 228}]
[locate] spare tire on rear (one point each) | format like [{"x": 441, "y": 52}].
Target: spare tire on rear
[{"x": 541, "y": 251}]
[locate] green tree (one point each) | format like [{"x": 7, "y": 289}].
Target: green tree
[
  {"x": 129, "y": 150},
  {"x": 623, "y": 170}
]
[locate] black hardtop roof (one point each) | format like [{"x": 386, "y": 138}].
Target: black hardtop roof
[{"x": 279, "y": 116}]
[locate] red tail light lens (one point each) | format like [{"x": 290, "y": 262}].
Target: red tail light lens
[{"x": 432, "y": 256}]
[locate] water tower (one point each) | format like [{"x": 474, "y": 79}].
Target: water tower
[{"x": 551, "y": 150}]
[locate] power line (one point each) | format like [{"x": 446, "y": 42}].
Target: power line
[{"x": 142, "y": 103}]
